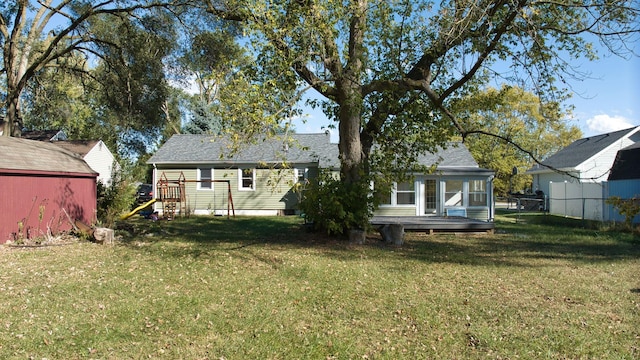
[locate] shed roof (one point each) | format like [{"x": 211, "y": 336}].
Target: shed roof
[
  {"x": 583, "y": 149},
  {"x": 625, "y": 167},
  {"x": 31, "y": 155}
]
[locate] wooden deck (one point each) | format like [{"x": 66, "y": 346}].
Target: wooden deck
[{"x": 433, "y": 224}]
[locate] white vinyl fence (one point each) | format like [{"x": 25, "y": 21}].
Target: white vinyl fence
[{"x": 580, "y": 200}]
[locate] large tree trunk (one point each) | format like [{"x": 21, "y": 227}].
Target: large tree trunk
[
  {"x": 350, "y": 99},
  {"x": 352, "y": 159},
  {"x": 13, "y": 121}
]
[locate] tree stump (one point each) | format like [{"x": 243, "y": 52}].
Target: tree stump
[
  {"x": 357, "y": 236},
  {"x": 392, "y": 234},
  {"x": 103, "y": 236}
]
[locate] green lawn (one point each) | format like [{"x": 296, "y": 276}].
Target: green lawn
[{"x": 263, "y": 288}]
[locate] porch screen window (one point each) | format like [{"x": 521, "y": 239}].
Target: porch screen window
[
  {"x": 207, "y": 175},
  {"x": 247, "y": 179},
  {"x": 429, "y": 195},
  {"x": 405, "y": 193},
  {"x": 453, "y": 193},
  {"x": 477, "y": 193}
]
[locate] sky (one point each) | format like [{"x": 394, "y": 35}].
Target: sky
[{"x": 607, "y": 100}]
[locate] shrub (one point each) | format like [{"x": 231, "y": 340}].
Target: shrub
[
  {"x": 334, "y": 206},
  {"x": 113, "y": 200},
  {"x": 628, "y": 208}
]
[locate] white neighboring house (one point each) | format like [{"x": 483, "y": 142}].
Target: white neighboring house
[
  {"x": 94, "y": 152},
  {"x": 587, "y": 160}
]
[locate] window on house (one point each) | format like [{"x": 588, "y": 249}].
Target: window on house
[
  {"x": 301, "y": 174},
  {"x": 405, "y": 193},
  {"x": 205, "y": 176},
  {"x": 453, "y": 195},
  {"x": 477, "y": 193},
  {"x": 247, "y": 179},
  {"x": 429, "y": 195}
]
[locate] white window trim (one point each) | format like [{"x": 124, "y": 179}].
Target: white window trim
[
  {"x": 464, "y": 192},
  {"x": 394, "y": 197},
  {"x": 305, "y": 174},
  {"x": 199, "y": 187},
  {"x": 486, "y": 192},
  {"x": 423, "y": 192},
  {"x": 253, "y": 172}
]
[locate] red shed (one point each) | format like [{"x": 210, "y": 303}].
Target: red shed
[{"x": 43, "y": 187}]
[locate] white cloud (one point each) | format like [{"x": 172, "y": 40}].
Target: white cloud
[{"x": 604, "y": 123}]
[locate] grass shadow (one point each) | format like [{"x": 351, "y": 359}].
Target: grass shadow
[{"x": 533, "y": 238}]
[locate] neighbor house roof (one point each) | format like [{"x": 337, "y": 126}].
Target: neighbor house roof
[
  {"x": 578, "y": 152},
  {"x": 79, "y": 147},
  {"x": 200, "y": 149},
  {"x": 44, "y": 135},
  {"x": 627, "y": 164},
  {"x": 24, "y": 155}
]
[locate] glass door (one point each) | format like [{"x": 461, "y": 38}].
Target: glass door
[{"x": 430, "y": 197}]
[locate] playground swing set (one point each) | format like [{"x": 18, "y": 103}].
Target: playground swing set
[{"x": 172, "y": 195}]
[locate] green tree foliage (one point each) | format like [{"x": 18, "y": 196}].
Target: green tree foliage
[
  {"x": 115, "y": 89},
  {"x": 37, "y": 35},
  {"x": 58, "y": 99},
  {"x": 517, "y": 117},
  {"x": 133, "y": 89},
  {"x": 391, "y": 71},
  {"x": 211, "y": 60}
]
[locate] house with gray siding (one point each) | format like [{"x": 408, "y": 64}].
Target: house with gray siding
[{"x": 264, "y": 177}]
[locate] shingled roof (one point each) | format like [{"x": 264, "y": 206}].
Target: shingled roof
[
  {"x": 79, "y": 147},
  {"x": 582, "y": 150},
  {"x": 38, "y": 156},
  {"x": 201, "y": 149},
  {"x": 300, "y": 148},
  {"x": 454, "y": 156},
  {"x": 44, "y": 135}
]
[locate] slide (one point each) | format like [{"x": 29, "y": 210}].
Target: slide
[{"x": 134, "y": 211}]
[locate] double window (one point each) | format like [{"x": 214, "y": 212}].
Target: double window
[
  {"x": 403, "y": 193},
  {"x": 465, "y": 193}
]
